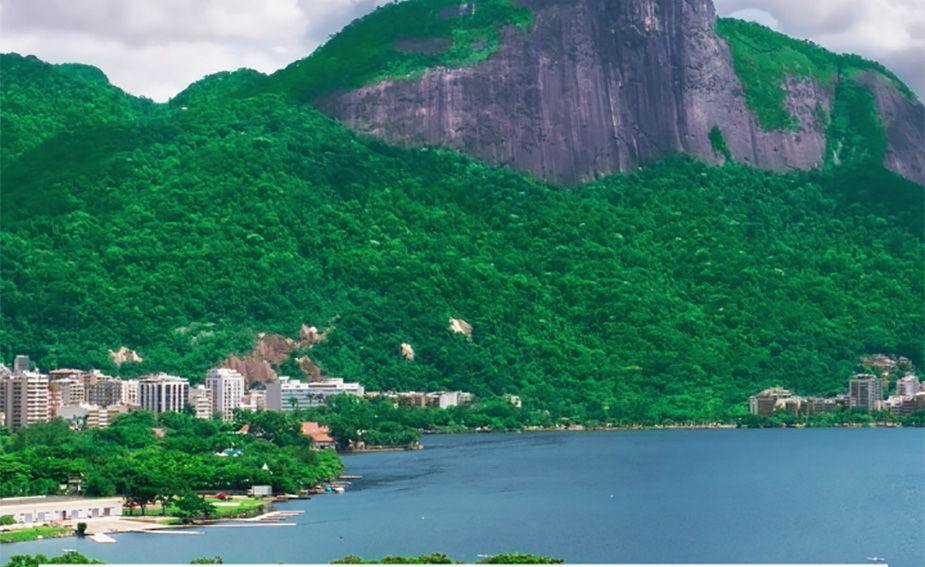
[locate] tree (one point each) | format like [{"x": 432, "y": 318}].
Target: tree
[{"x": 191, "y": 506}]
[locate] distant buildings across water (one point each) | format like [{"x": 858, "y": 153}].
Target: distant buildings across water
[
  {"x": 91, "y": 399},
  {"x": 865, "y": 391}
]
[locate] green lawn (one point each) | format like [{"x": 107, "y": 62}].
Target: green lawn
[
  {"x": 245, "y": 507},
  {"x": 29, "y": 534}
]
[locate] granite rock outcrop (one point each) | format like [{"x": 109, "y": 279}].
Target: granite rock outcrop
[{"x": 596, "y": 87}]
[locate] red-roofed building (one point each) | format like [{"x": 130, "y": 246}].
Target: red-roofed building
[{"x": 318, "y": 433}]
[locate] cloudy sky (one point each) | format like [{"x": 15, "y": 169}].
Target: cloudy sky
[{"x": 155, "y": 48}]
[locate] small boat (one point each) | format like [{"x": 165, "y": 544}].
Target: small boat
[{"x": 339, "y": 489}]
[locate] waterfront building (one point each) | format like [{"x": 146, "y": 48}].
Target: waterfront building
[
  {"x": 24, "y": 399},
  {"x": 440, "y": 399},
  {"x": 227, "y": 388},
  {"x": 288, "y": 395},
  {"x": 46, "y": 509},
  {"x": 161, "y": 392},
  {"x": 319, "y": 434},
  {"x": 200, "y": 398},
  {"x": 813, "y": 406},
  {"x": 864, "y": 391},
  {"x": 765, "y": 402},
  {"x": 450, "y": 399}
]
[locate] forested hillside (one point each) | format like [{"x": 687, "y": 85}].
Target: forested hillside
[{"x": 183, "y": 230}]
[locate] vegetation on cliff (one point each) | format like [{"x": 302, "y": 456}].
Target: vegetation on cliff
[
  {"x": 400, "y": 40},
  {"x": 183, "y": 230},
  {"x": 765, "y": 60}
]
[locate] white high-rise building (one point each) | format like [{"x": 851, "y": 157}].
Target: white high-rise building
[
  {"x": 227, "y": 388},
  {"x": 160, "y": 392},
  {"x": 291, "y": 395}
]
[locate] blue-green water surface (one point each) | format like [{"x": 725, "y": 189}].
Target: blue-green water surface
[{"x": 699, "y": 496}]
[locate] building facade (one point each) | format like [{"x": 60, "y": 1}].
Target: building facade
[
  {"x": 908, "y": 385},
  {"x": 46, "y": 509},
  {"x": 865, "y": 391},
  {"x": 105, "y": 393},
  {"x": 21, "y": 365},
  {"x": 24, "y": 400},
  {"x": 160, "y": 393},
  {"x": 291, "y": 395},
  {"x": 227, "y": 388},
  {"x": 200, "y": 398}
]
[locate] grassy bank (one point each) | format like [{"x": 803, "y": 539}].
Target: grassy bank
[{"x": 29, "y": 534}]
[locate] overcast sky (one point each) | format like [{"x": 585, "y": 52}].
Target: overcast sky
[{"x": 155, "y": 48}]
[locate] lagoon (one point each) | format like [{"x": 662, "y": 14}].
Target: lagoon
[{"x": 661, "y": 496}]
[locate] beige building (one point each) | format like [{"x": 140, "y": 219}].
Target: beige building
[
  {"x": 24, "y": 399},
  {"x": 200, "y": 398}
]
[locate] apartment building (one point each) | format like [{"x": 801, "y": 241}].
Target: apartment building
[
  {"x": 161, "y": 392},
  {"x": 227, "y": 388},
  {"x": 24, "y": 399}
]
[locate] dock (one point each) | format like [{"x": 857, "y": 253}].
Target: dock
[
  {"x": 274, "y": 516},
  {"x": 258, "y": 525},
  {"x": 101, "y": 538}
]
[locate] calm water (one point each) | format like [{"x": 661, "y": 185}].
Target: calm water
[{"x": 787, "y": 496}]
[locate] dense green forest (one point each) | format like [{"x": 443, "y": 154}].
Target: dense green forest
[
  {"x": 130, "y": 459},
  {"x": 183, "y": 230}
]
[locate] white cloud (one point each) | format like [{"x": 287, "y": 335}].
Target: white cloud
[
  {"x": 156, "y": 48},
  {"x": 889, "y": 31},
  {"x": 759, "y": 16}
]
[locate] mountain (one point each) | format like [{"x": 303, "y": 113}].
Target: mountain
[
  {"x": 184, "y": 230},
  {"x": 576, "y": 90}
]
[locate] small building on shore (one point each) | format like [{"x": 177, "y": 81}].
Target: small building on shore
[{"x": 58, "y": 509}]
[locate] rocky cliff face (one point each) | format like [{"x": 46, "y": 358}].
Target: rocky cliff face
[{"x": 604, "y": 86}]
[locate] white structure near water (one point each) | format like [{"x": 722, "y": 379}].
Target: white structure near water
[
  {"x": 57, "y": 509},
  {"x": 289, "y": 395}
]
